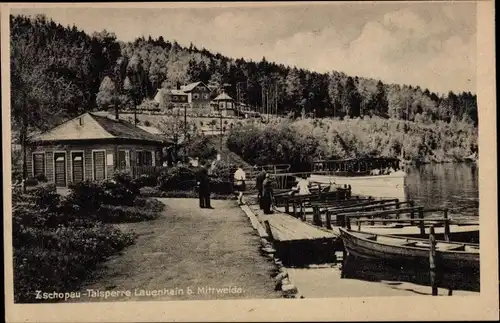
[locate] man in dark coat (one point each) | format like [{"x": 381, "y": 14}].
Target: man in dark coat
[
  {"x": 204, "y": 187},
  {"x": 259, "y": 181},
  {"x": 267, "y": 195}
]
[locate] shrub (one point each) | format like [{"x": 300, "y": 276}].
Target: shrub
[
  {"x": 60, "y": 259},
  {"x": 145, "y": 180},
  {"x": 41, "y": 178},
  {"x": 86, "y": 196},
  {"x": 31, "y": 181},
  {"x": 200, "y": 146},
  {"x": 177, "y": 178}
]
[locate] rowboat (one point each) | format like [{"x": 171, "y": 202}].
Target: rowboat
[
  {"x": 377, "y": 177},
  {"x": 397, "y": 250}
]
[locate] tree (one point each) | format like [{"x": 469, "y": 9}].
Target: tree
[
  {"x": 108, "y": 95},
  {"x": 47, "y": 86},
  {"x": 351, "y": 100},
  {"x": 382, "y": 105}
]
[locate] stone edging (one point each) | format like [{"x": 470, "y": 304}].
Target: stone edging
[{"x": 281, "y": 278}]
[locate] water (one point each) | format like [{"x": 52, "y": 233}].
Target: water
[{"x": 453, "y": 185}]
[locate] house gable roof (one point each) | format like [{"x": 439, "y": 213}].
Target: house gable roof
[
  {"x": 190, "y": 87},
  {"x": 90, "y": 126},
  {"x": 223, "y": 97},
  {"x": 161, "y": 92}
]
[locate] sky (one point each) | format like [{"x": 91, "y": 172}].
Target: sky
[{"x": 431, "y": 44}]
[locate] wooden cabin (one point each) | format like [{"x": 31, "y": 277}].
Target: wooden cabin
[{"x": 92, "y": 146}]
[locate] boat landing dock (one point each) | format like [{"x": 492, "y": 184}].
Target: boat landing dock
[{"x": 297, "y": 242}]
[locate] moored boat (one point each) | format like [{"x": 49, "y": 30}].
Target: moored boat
[
  {"x": 397, "y": 250},
  {"x": 377, "y": 177}
]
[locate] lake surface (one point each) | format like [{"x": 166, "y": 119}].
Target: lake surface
[{"x": 453, "y": 185}]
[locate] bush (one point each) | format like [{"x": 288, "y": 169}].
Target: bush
[
  {"x": 31, "y": 181},
  {"x": 41, "y": 178},
  {"x": 61, "y": 259},
  {"x": 178, "y": 178},
  {"x": 86, "y": 196},
  {"x": 145, "y": 180}
]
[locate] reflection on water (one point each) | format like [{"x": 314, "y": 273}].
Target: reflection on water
[
  {"x": 377, "y": 271},
  {"x": 454, "y": 186}
]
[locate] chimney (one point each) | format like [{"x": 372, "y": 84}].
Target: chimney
[{"x": 178, "y": 85}]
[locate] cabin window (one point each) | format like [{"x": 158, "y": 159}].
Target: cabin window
[
  {"x": 123, "y": 159},
  {"x": 38, "y": 164},
  {"x": 145, "y": 158},
  {"x": 205, "y": 96},
  {"x": 196, "y": 96},
  {"x": 174, "y": 98}
]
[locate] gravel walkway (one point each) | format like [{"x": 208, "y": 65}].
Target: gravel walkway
[{"x": 212, "y": 252}]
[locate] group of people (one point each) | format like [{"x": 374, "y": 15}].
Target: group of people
[{"x": 264, "y": 187}]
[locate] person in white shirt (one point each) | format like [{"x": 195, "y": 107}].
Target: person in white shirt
[
  {"x": 302, "y": 187},
  {"x": 240, "y": 178}
]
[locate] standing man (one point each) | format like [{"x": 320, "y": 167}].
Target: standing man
[
  {"x": 240, "y": 178},
  {"x": 204, "y": 188},
  {"x": 259, "y": 181},
  {"x": 267, "y": 195}
]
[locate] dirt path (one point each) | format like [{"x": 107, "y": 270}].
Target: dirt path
[{"x": 189, "y": 247}]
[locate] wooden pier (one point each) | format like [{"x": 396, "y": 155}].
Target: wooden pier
[
  {"x": 298, "y": 243},
  {"x": 305, "y": 229},
  {"x": 382, "y": 216}
]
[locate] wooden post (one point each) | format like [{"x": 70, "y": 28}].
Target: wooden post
[
  {"x": 412, "y": 215},
  {"x": 268, "y": 230},
  {"x": 328, "y": 220},
  {"x": 302, "y": 211},
  {"x": 359, "y": 224},
  {"x": 446, "y": 226},
  {"x": 317, "y": 220},
  {"x": 287, "y": 206},
  {"x": 347, "y": 222},
  {"x": 422, "y": 225},
  {"x": 432, "y": 261},
  {"x": 294, "y": 206}
]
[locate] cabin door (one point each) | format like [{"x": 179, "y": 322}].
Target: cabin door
[
  {"x": 99, "y": 158},
  {"x": 60, "y": 169},
  {"x": 77, "y": 166}
]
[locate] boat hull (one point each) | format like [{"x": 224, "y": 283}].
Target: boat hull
[
  {"x": 394, "y": 254},
  {"x": 380, "y": 186}
]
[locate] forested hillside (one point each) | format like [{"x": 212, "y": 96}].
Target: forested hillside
[{"x": 58, "y": 72}]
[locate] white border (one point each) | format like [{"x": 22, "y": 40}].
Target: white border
[{"x": 409, "y": 308}]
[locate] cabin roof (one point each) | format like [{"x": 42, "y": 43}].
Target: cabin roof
[
  {"x": 223, "y": 97},
  {"x": 91, "y": 126},
  {"x": 191, "y": 86}
]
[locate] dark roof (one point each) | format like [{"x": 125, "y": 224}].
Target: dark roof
[{"x": 124, "y": 130}]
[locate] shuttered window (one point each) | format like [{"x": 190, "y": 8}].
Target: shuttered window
[{"x": 38, "y": 164}]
